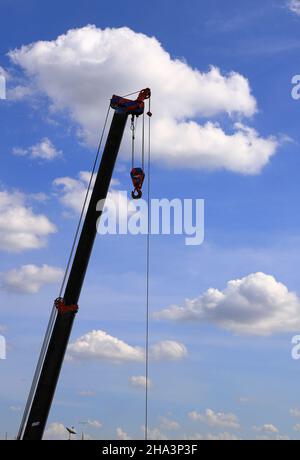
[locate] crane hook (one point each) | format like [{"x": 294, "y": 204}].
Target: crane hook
[{"x": 137, "y": 177}]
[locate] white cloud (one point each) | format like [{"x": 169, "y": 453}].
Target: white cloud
[
  {"x": 139, "y": 381},
  {"x": 67, "y": 70},
  {"x": 213, "y": 437},
  {"x": 29, "y": 279},
  {"x": 2, "y": 328},
  {"x": 71, "y": 194},
  {"x": 169, "y": 350},
  {"x": 209, "y": 147},
  {"x": 154, "y": 434},
  {"x": 295, "y": 412},
  {"x": 267, "y": 428},
  {"x": 44, "y": 150},
  {"x": 297, "y": 427},
  {"x": 101, "y": 346},
  {"x": 39, "y": 197},
  {"x": 222, "y": 437},
  {"x": 4, "y": 73},
  {"x": 19, "y": 92},
  {"x": 20, "y": 228},
  {"x": 94, "y": 424},
  {"x": 294, "y": 6},
  {"x": 168, "y": 424},
  {"x": 216, "y": 419},
  {"x": 257, "y": 305},
  {"x": 56, "y": 431},
  {"x": 122, "y": 435}
]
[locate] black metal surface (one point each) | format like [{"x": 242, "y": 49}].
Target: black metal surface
[{"x": 44, "y": 394}]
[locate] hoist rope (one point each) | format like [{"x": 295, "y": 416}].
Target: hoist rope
[
  {"x": 54, "y": 309},
  {"x": 143, "y": 142},
  {"x": 132, "y": 127},
  {"x": 148, "y": 277}
]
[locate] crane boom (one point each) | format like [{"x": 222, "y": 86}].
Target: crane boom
[{"x": 36, "y": 414}]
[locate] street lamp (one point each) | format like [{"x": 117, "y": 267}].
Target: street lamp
[{"x": 82, "y": 433}]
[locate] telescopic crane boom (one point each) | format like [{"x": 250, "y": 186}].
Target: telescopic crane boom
[{"x": 42, "y": 392}]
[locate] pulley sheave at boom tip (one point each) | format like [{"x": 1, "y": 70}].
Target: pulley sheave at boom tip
[{"x": 123, "y": 105}]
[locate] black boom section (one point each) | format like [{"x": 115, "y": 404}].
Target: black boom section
[{"x": 58, "y": 343}]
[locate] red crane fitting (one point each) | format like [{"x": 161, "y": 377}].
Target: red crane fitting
[
  {"x": 63, "y": 308},
  {"x": 137, "y": 177}
]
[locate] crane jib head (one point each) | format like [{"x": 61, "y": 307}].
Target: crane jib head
[{"x": 122, "y": 105}]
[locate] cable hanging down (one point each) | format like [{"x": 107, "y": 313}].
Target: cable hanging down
[
  {"x": 148, "y": 271},
  {"x": 138, "y": 176}
]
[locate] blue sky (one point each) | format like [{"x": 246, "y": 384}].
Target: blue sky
[{"x": 237, "y": 378}]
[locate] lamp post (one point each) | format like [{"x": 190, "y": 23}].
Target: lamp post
[{"x": 82, "y": 433}]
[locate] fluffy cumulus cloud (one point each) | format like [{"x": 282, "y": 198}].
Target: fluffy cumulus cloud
[
  {"x": 19, "y": 92},
  {"x": 56, "y": 431},
  {"x": 43, "y": 150},
  {"x": 213, "y": 437},
  {"x": 256, "y": 305},
  {"x": 216, "y": 419},
  {"x": 81, "y": 69},
  {"x": 209, "y": 147},
  {"x": 266, "y": 428},
  {"x": 168, "y": 424},
  {"x": 139, "y": 381},
  {"x": 154, "y": 434},
  {"x": 20, "y": 228},
  {"x": 169, "y": 350},
  {"x": 3, "y": 72},
  {"x": 295, "y": 412},
  {"x": 122, "y": 435},
  {"x": 29, "y": 279},
  {"x": 101, "y": 346},
  {"x": 294, "y": 6},
  {"x": 71, "y": 193}
]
